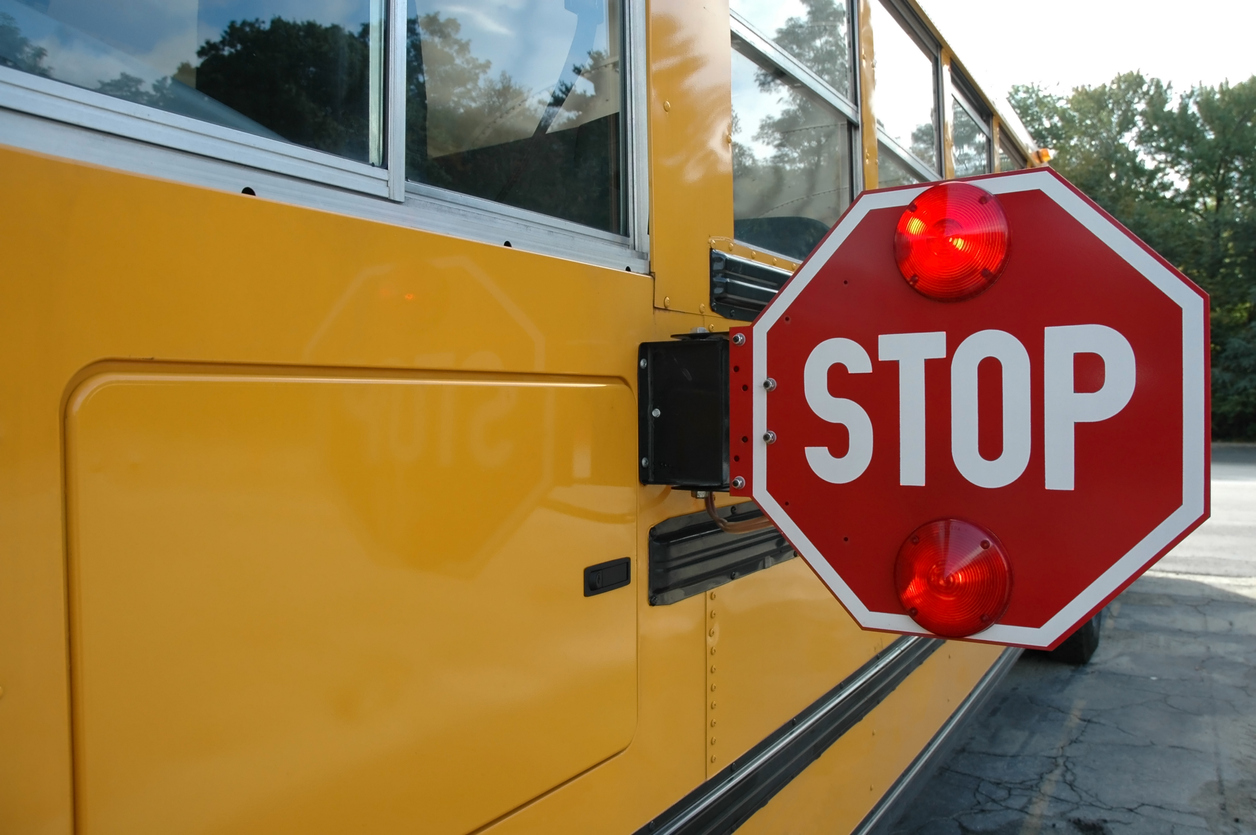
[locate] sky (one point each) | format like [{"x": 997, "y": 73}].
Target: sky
[{"x": 1064, "y": 44}]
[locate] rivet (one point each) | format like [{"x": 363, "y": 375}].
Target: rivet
[
  {"x": 712, "y": 705},
  {"x": 712, "y": 668},
  {"x": 769, "y": 437},
  {"x": 739, "y": 339},
  {"x": 655, "y": 412},
  {"x": 712, "y": 632},
  {"x": 645, "y": 462},
  {"x": 667, "y": 301},
  {"x": 712, "y": 740},
  {"x": 712, "y": 595},
  {"x": 713, "y": 650},
  {"x": 667, "y": 106},
  {"x": 702, "y": 308},
  {"x": 712, "y": 688},
  {"x": 712, "y": 613},
  {"x": 712, "y": 758},
  {"x": 738, "y": 483},
  {"x": 712, "y": 723},
  {"x": 769, "y": 384},
  {"x": 642, "y": 363}
]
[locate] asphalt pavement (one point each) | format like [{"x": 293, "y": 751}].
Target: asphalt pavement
[{"x": 1157, "y": 734}]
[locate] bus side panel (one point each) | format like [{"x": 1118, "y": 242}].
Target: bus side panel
[
  {"x": 344, "y": 604},
  {"x": 107, "y": 273},
  {"x": 781, "y": 641},
  {"x": 838, "y": 790}
]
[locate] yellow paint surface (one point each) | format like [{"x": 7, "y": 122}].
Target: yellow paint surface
[{"x": 837, "y": 791}]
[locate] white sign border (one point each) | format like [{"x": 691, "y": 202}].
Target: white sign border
[{"x": 1194, "y": 413}]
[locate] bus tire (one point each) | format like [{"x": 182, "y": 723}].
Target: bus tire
[{"x": 1081, "y": 645}]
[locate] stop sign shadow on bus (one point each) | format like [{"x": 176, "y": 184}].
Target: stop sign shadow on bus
[{"x": 978, "y": 410}]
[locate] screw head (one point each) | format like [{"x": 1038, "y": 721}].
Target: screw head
[
  {"x": 655, "y": 412},
  {"x": 645, "y": 462},
  {"x": 737, "y": 483},
  {"x": 642, "y": 363},
  {"x": 769, "y": 384},
  {"x": 739, "y": 339},
  {"x": 769, "y": 437}
]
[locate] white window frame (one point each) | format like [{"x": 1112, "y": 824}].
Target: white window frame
[{"x": 53, "y": 117}]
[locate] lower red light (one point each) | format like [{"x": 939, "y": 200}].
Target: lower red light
[
  {"x": 951, "y": 242},
  {"x": 953, "y": 578}
]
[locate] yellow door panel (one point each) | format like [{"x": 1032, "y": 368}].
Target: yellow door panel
[
  {"x": 779, "y": 640},
  {"x": 319, "y": 604}
]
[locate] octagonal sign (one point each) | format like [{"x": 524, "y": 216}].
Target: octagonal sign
[{"x": 985, "y": 430}]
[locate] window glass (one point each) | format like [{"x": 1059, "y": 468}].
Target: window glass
[
  {"x": 905, "y": 84},
  {"x": 969, "y": 142},
  {"x": 1008, "y": 162},
  {"x": 816, "y": 32},
  {"x": 520, "y": 102},
  {"x": 892, "y": 171},
  {"x": 308, "y": 73},
  {"x": 791, "y": 162}
]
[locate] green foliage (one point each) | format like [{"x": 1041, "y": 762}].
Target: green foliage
[{"x": 1180, "y": 172}]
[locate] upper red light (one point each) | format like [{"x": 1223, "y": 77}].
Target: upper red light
[
  {"x": 951, "y": 241},
  {"x": 953, "y": 578}
]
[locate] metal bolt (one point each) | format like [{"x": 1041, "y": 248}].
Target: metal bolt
[
  {"x": 655, "y": 412},
  {"x": 739, "y": 339},
  {"x": 738, "y": 483},
  {"x": 769, "y": 384},
  {"x": 769, "y": 437},
  {"x": 645, "y": 462},
  {"x": 642, "y": 363}
]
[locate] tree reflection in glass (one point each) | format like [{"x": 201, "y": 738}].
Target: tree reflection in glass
[
  {"x": 283, "y": 69},
  {"x": 519, "y": 103},
  {"x": 791, "y": 162},
  {"x": 816, "y": 32},
  {"x": 970, "y": 143}
]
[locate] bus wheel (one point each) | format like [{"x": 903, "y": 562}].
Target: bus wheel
[{"x": 1078, "y": 647}]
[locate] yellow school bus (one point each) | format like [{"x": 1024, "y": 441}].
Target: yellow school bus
[{"x": 322, "y": 502}]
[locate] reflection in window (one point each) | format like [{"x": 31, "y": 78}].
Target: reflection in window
[
  {"x": 520, "y": 103},
  {"x": 1007, "y": 162},
  {"x": 816, "y": 32},
  {"x": 307, "y": 73},
  {"x": 905, "y": 85},
  {"x": 791, "y": 162},
  {"x": 892, "y": 171},
  {"x": 969, "y": 142}
]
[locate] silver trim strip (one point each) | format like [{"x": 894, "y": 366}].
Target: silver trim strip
[
  {"x": 395, "y": 111},
  {"x": 72, "y": 105},
  {"x": 748, "y": 769},
  {"x": 906, "y": 157}
]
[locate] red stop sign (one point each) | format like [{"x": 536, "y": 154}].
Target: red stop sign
[{"x": 1060, "y": 413}]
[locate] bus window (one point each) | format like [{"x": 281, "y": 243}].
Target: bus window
[
  {"x": 1009, "y": 160},
  {"x": 970, "y": 141},
  {"x": 519, "y": 104},
  {"x": 791, "y": 161},
  {"x": 816, "y": 32},
  {"x": 893, "y": 171},
  {"x": 281, "y": 69},
  {"x": 906, "y": 84}
]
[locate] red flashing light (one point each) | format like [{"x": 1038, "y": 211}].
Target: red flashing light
[
  {"x": 953, "y": 578},
  {"x": 951, "y": 241}
]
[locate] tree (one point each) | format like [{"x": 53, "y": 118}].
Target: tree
[
  {"x": 18, "y": 52},
  {"x": 1180, "y": 172}
]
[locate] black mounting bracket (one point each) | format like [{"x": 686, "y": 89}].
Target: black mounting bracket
[{"x": 682, "y": 412}]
